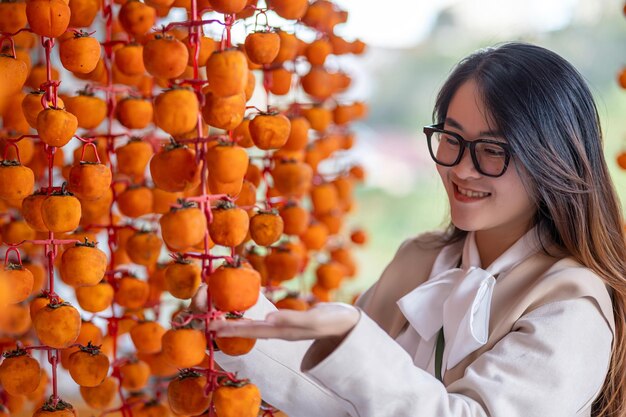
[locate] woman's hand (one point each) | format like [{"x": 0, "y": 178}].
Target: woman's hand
[{"x": 324, "y": 320}]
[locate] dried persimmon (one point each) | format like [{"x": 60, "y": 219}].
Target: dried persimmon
[
  {"x": 88, "y": 366},
  {"x": 234, "y": 287},
  {"x": 80, "y": 53},
  {"x": 83, "y": 264},
  {"x": 165, "y": 56},
  {"x": 270, "y": 130},
  {"x": 57, "y": 325},
  {"x": 17, "y": 282},
  {"x": 48, "y": 18},
  {"x": 89, "y": 180},
  {"x": 131, "y": 292},
  {"x": 266, "y": 227},
  {"x": 135, "y": 374},
  {"x": 183, "y": 227},
  {"x": 16, "y": 180},
  {"x": 61, "y": 212},
  {"x": 227, "y": 72},
  {"x": 227, "y": 162},
  {"x": 95, "y": 298},
  {"x": 176, "y": 110},
  {"x": 19, "y": 373},
  {"x": 186, "y": 394},
  {"x": 262, "y": 47},
  {"x": 146, "y": 336},
  {"x": 144, "y": 248},
  {"x": 230, "y": 224},
  {"x": 237, "y": 399},
  {"x": 182, "y": 278},
  {"x": 184, "y": 347},
  {"x": 56, "y": 126}
]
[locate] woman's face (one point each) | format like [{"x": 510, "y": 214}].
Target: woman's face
[{"x": 504, "y": 205}]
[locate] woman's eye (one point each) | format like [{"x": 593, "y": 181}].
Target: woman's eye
[
  {"x": 449, "y": 140},
  {"x": 494, "y": 151}
]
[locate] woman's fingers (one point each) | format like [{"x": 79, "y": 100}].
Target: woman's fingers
[{"x": 257, "y": 329}]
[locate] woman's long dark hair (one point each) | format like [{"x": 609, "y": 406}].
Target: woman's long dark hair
[{"x": 544, "y": 109}]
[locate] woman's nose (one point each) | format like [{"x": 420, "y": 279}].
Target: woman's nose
[{"x": 465, "y": 168}]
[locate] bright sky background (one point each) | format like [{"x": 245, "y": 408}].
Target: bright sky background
[{"x": 404, "y": 23}]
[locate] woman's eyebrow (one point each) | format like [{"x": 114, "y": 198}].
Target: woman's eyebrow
[{"x": 494, "y": 133}]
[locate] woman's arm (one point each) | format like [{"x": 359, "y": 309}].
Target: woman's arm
[
  {"x": 553, "y": 364},
  {"x": 274, "y": 366}
]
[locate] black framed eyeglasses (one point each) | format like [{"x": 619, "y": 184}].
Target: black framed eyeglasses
[{"x": 490, "y": 157}]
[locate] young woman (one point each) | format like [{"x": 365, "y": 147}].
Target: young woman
[{"x": 517, "y": 309}]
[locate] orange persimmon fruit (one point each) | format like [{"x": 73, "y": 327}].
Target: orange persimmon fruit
[
  {"x": 83, "y": 264},
  {"x": 266, "y": 227},
  {"x": 89, "y": 109},
  {"x": 100, "y": 396},
  {"x": 292, "y": 178},
  {"x": 135, "y": 201},
  {"x": 237, "y": 399},
  {"x": 135, "y": 375},
  {"x": 132, "y": 292},
  {"x": 16, "y": 180},
  {"x": 56, "y": 126},
  {"x": 61, "y": 212},
  {"x": 186, "y": 395},
  {"x": 137, "y": 18},
  {"x": 183, "y": 227},
  {"x": 12, "y": 16},
  {"x": 262, "y": 47},
  {"x": 146, "y": 336},
  {"x": 19, "y": 372},
  {"x": 129, "y": 59},
  {"x": 80, "y": 53},
  {"x": 227, "y": 162},
  {"x": 228, "y": 6},
  {"x": 133, "y": 157},
  {"x": 330, "y": 275},
  {"x": 61, "y": 409},
  {"x": 31, "y": 106},
  {"x": 134, "y": 113},
  {"x": 234, "y": 287},
  {"x": 270, "y": 130},
  {"x": 176, "y": 110},
  {"x": 224, "y": 112},
  {"x": 295, "y": 218},
  {"x": 174, "y": 168},
  {"x": 95, "y": 298},
  {"x": 230, "y": 224},
  {"x": 227, "y": 72},
  {"x": 289, "y": 9},
  {"x": 83, "y": 12},
  {"x": 57, "y": 324},
  {"x": 48, "y": 18},
  {"x": 184, "y": 347},
  {"x": 89, "y": 180},
  {"x": 282, "y": 264},
  {"x": 165, "y": 56},
  {"x": 182, "y": 278},
  {"x": 88, "y": 366}
]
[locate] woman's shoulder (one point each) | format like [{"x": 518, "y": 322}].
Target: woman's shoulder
[{"x": 567, "y": 279}]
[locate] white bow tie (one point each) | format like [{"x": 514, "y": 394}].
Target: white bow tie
[
  {"x": 460, "y": 298},
  {"x": 466, "y": 300}
]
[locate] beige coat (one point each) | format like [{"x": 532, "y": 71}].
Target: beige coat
[{"x": 538, "y": 280}]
